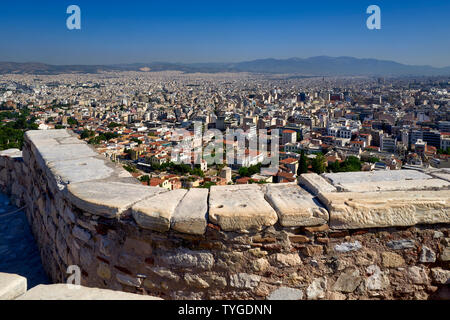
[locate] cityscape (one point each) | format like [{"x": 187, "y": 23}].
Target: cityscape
[
  {"x": 325, "y": 124},
  {"x": 231, "y": 167}
]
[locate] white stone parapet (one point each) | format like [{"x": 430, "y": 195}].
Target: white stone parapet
[{"x": 95, "y": 185}]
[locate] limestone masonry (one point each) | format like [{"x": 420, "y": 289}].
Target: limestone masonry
[{"x": 362, "y": 235}]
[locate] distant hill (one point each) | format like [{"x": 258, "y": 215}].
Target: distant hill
[{"x": 315, "y": 66}]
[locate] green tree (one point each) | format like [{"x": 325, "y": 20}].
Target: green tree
[
  {"x": 72, "y": 122},
  {"x": 130, "y": 168},
  {"x": 113, "y": 125},
  {"x": 350, "y": 164},
  {"x": 145, "y": 178},
  {"x": 303, "y": 165},
  {"x": 318, "y": 164},
  {"x": 198, "y": 172},
  {"x": 87, "y": 134},
  {"x": 442, "y": 151}
]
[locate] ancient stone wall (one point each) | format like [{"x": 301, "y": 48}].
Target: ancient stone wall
[{"x": 337, "y": 236}]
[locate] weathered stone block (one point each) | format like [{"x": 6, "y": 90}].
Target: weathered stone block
[
  {"x": 12, "y": 286},
  {"x": 108, "y": 199},
  {"x": 156, "y": 212},
  {"x": 384, "y": 209},
  {"x": 240, "y": 207},
  {"x": 402, "y": 185},
  {"x": 78, "y": 170},
  {"x": 368, "y": 177},
  {"x": 63, "y": 292},
  {"x": 294, "y": 206},
  {"x": 315, "y": 183},
  {"x": 190, "y": 214}
]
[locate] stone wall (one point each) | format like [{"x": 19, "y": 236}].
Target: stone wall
[{"x": 329, "y": 238}]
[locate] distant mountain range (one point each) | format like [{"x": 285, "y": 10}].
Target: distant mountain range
[{"x": 314, "y": 66}]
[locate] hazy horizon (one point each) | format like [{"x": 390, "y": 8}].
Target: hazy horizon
[{"x": 224, "y": 62}]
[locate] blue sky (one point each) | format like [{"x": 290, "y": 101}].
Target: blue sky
[{"x": 413, "y": 32}]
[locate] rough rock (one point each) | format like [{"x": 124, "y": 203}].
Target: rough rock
[
  {"x": 260, "y": 265},
  {"x": 336, "y": 296},
  {"x": 401, "y": 244},
  {"x": 440, "y": 276},
  {"x": 165, "y": 273},
  {"x": 285, "y": 293},
  {"x": 81, "y": 234},
  {"x": 103, "y": 271},
  {"x": 392, "y": 260},
  {"x": 417, "y": 275},
  {"x": 286, "y": 260},
  {"x": 427, "y": 255},
  {"x": 244, "y": 280},
  {"x": 348, "y": 281},
  {"x": 316, "y": 290},
  {"x": 188, "y": 259},
  {"x": 195, "y": 281},
  {"x": 128, "y": 280},
  {"x": 445, "y": 255},
  {"x": 377, "y": 280},
  {"x": 348, "y": 246}
]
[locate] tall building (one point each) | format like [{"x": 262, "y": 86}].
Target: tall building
[
  {"x": 289, "y": 136},
  {"x": 388, "y": 143},
  {"x": 226, "y": 174}
]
